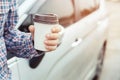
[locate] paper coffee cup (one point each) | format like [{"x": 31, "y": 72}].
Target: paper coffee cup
[{"x": 43, "y": 24}]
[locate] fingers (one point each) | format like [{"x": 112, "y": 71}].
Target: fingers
[
  {"x": 50, "y": 48},
  {"x": 52, "y": 36},
  {"x": 31, "y": 29},
  {"x": 51, "y": 42},
  {"x": 56, "y": 29},
  {"x": 54, "y": 33},
  {"x": 52, "y": 39}
]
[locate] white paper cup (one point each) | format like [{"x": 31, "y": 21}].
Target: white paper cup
[{"x": 43, "y": 24}]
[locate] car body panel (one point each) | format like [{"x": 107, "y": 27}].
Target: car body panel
[{"x": 75, "y": 58}]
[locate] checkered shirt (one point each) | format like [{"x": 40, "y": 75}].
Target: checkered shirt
[{"x": 12, "y": 40}]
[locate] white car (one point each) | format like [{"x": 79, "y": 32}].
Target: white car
[{"x": 76, "y": 58}]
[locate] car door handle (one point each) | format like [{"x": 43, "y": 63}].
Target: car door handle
[{"x": 77, "y": 42}]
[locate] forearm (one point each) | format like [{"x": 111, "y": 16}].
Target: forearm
[
  {"x": 20, "y": 44},
  {"x": 17, "y": 42}
]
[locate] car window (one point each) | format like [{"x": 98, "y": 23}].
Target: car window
[{"x": 9, "y": 56}]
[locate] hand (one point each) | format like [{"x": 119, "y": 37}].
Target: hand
[{"x": 52, "y": 39}]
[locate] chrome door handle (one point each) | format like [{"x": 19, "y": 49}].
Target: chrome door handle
[{"x": 77, "y": 42}]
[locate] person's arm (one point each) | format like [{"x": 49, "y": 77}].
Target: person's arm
[{"x": 18, "y": 43}]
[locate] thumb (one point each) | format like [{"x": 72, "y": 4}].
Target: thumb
[{"x": 32, "y": 29}]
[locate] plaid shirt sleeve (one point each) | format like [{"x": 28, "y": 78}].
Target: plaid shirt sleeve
[{"x": 18, "y": 43}]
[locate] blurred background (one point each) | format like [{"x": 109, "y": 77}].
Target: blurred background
[{"x": 111, "y": 66}]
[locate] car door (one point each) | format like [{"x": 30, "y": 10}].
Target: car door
[{"x": 75, "y": 58}]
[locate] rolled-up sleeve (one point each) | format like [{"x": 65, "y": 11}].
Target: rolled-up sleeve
[{"x": 17, "y": 42}]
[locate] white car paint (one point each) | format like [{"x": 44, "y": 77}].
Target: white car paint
[{"x": 72, "y": 60}]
